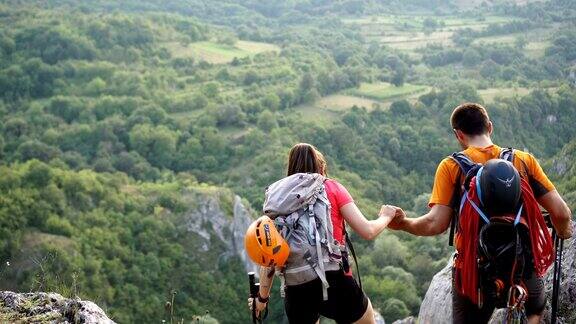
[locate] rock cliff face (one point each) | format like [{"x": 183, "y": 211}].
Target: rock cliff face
[
  {"x": 210, "y": 218},
  {"x": 48, "y": 308},
  {"x": 240, "y": 223},
  {"x": 437, "y": 304}
]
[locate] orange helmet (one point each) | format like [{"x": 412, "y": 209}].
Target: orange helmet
[{"x": 264, "y": 245}]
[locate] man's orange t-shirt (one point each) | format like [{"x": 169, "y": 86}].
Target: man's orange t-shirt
[{"x": 447, "y": 174}]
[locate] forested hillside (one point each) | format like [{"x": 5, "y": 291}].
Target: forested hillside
[{"x": 121, "y": 121}]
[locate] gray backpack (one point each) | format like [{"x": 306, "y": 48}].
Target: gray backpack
[{"x": 300, "y": 208}]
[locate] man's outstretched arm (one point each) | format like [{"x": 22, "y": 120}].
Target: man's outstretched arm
[
  {"x": 559, "y": 213},
  {"x": 435, "y": 222}
]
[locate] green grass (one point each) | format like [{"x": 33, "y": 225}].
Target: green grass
[
  {"x": 317, "y": 115},
  {"x": 536, "y": 49},
  {"x": 326, "y": 110},
  {"x": 417, "y": 20},
  {"x": 407, "y": 32},
  {"x": 385, "y": 91},
  {"x": 342, "y": 102},
  {"x": 491, "y": 95},
  {"x": 218, "y": 53},
  {"x": 500, "y": 39}
]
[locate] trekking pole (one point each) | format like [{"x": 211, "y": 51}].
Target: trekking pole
[
  {"x": 253, "y": 294},
  {"x": 558, "y": 247},
  {"x": 254, "y": 288}
]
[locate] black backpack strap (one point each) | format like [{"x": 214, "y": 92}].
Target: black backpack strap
[
  {"x": 507, "y": 154},
  {"x": 465, "y": 165},
  {"x": 463, "y": 162},
  {"x": 351, "y": 247}
]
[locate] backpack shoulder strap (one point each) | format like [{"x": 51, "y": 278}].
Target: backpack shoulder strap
[
  {"x": 507, "y": 154},
  {"x": 465, "y": 164},
  {"x": 351, "y": 247},
  {"x": 463, "y": 161}
]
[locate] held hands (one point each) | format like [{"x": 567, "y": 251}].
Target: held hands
[
  {"x": 396, "y": 213},
  {"x": 387, "y": 211}
]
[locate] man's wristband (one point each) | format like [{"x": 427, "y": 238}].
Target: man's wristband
[{"x": 263, "y": 300}]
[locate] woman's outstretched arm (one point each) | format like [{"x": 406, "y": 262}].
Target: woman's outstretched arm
[{"x": 367, "y": 229}]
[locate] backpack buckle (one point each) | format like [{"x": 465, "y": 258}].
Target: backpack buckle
[{"x": 311, "y": 210}]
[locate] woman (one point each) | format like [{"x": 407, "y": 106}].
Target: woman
[{"x": 346, "y": 302}]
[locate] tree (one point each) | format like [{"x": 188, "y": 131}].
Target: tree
[
  {"x": 251, "y": 77},
  {"x": 399, "y": 108},
  {"x": 306, "y": 83},
  {"x": 95, "y": 87},
  {"x": 388, "y": 250},
  {"x": 67, "y": 108},
  {"x": 156, "y": 144},
  {"x": 311, "y": 96},
  {"x": 398, "y": 78},
  {"x": 34, "y": 149},
  {"x": 267, "y": 121},
  {"x": 490, "y": 70},
  {"x": 210, "y": 89},
  {"x": 520, "y": 42},
  {"x": 395, "y": 309},
  {"x": 271, "y": 101},
  {"x": 471, "y": 57},
  {"x": 229, "y": 40},
  {"x": 230, "y": 114},
  {"x": 38, "y": 174}
]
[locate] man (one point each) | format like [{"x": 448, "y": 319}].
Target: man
[{"x": 473, "y": 129}]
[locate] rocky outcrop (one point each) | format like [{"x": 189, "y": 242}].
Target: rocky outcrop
[
  {"x": 437, "y": 304},
  {"x": 48, "y": 308},
  {"x": 209, "y": 218},
  {"x": 408, "y": 320},
  {"x": 240, "y": 223},
  {"x": 378, "y": 319}
]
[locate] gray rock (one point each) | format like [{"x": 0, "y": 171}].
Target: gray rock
[
  {"x": 48, "y": 308},
  {"x": 378, "y": 319},
  {"x": 242, "y": 220},
  {"x": 437, "y": 304},
  {"x": 567, "y": 298},
  {"x": 407, "y": 320},
  {"x": 209, "y": 217}
]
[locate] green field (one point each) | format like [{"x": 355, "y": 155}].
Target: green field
[
  {"x": 408, "y": 34},
  {"x": 383, "y": 91},
  {"x": 217, "y": 53},
  {"x": 340, "y": 102},
  {"x": 491, "y": 95},
  {"x": 327, "y": 109},
  {"x": 536, "y": 49},
  {"x": 469, "y": 4},
  {"x": 317, "y": 115},
  {"x": 369, "y": 95}
]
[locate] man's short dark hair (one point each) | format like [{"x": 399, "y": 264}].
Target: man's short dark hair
[{"x": 470, "y": 118}]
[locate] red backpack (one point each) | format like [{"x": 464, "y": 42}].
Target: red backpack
[{"x": 495, "y": 253}]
